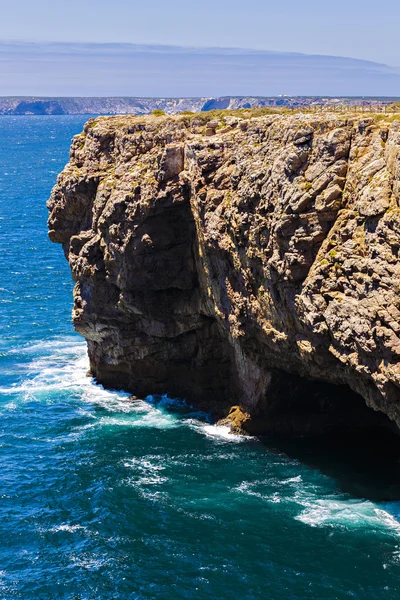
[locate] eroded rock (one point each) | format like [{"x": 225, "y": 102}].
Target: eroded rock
[{"x": 208, "y": 259}]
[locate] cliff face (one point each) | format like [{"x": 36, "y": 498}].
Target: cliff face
[
  {"x": 140, "y": 106},
  {"x": 220, "y": 261}
]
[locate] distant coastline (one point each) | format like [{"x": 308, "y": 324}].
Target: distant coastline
[{"x": 32, "y": 105}]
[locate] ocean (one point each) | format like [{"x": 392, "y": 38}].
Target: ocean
[{"x": 105, "y": 498}]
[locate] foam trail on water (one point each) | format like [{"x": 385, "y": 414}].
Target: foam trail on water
[
  {"x": 309, "y": 505},
  {"x": 335, "y": 512},
  {"x": 60, "y": 367}
]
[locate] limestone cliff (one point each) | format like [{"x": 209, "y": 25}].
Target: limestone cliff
[{"x": 213, "y": 258}]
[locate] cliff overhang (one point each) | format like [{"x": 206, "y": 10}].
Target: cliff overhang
[{"x": 212, "y": 258}]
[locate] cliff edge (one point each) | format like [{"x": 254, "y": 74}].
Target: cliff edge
[{"x": 234, "y": 261}]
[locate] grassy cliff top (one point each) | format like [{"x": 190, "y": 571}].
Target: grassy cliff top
[{"x": 377, "y": 113}]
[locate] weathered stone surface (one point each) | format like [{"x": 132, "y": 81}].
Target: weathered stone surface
[{"x": 208, "y": 261}]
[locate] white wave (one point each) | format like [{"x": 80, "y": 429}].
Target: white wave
[
  {"x": 67, "y": 528},
  {"x": 275, "y": 498},
  {"x": 68, "y": 342},
  {"x": 246, "y": 487},
  {"x": 346, "y": 513},
  {"x": 90, "y": 563},
  {"x": 292, "y": 480},
  {"x": 222, "y": 433},
  {"x": 58, "y": 366},
  {"x": 388, "y": 519},
  {"x": 334, "y": 511},
  {"x": 145, "y": 464},
  {"x": 153, "y": 418},
  {"x": 146, "y": 473},
  {"x": 249, "y": 488},
  {"x": 11, "y": 406},
  {"x": 155, "y": 480},
  {"x": 62, "y": 366},
  {"x": 156, "y": 497}
]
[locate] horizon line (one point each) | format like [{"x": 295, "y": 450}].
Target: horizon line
[{"x": 198, "y": 48}]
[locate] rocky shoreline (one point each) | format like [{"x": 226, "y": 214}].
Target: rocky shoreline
[
  {"x": 31, "y": 105},
  {"x": 240, "y": 260}
]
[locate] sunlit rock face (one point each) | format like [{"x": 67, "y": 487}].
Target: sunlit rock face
[{"x": 211, "y": 258}]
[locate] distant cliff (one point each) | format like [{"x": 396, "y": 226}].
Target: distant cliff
[
  {"x": 140, "y": 106},
  {"x": 96, "y": 106},
  {"x": 236, "y": 260}
]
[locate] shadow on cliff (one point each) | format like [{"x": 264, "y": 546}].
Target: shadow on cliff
[{"x": 330, "y": 428}]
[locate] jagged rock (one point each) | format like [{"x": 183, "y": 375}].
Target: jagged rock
[{"x": 205, "y": 265}]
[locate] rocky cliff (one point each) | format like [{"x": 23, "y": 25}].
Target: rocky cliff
[
  {"x": 10, "y": 105},
  {"x": 238, "y": 261}
]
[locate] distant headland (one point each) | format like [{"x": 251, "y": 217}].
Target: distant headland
[{"x": 31, "y": 105}]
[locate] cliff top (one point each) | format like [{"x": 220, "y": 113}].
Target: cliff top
[
  {"x": 230, "y": 122},
  {"x": 389, "y": 114}
]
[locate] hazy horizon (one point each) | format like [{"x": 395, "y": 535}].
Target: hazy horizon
[
  {"x": 192, "y": 48},
  {"x": 55, "y": 69},
  {"x": 343, "y": 29}
]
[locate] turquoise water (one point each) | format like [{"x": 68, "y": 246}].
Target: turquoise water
[{"x": 101, "y": 498}]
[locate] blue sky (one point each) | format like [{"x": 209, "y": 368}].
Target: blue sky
[{"x": 355, "y": 28}]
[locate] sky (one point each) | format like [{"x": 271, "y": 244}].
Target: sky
[
  {"x": 76, "y": 69},
  {"x": 363, "y": 29}
]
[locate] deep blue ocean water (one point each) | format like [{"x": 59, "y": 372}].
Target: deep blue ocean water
[{"x": 101, "y": 498}]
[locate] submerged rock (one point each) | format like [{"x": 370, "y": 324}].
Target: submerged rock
[{"x": 209, "y": 264}]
